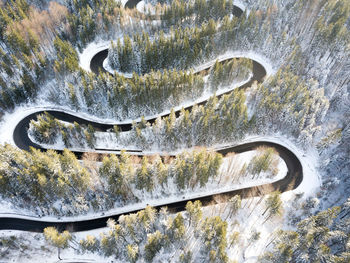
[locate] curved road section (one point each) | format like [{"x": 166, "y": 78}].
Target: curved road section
[
  {"x": 20, "y": 135},
  {"x": 291, "y": 181}
]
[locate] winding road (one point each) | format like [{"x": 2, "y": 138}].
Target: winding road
[{"x": 291, "y": 181}]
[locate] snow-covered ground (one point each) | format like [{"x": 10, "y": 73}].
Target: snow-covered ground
[
  {"x": 34, "y": 248},
  {"x": 112, "y": 71},
  {"x": 253, "y": 55},
  {"x": 10, "y": 120},
  {"x": 232, "y": 165},
  {"x": 309, "y": 161},
  {"x": 240, "y": 4},
  {"x": 249, "y": 217},
  {"x": 109, "y": 142},
  {"x": 142, "y": 7},
  {"x": 90, "y": 51},
  {"x": 309, "y": 185}
]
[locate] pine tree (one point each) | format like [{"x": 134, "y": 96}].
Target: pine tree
[
  {"x": 195, "y": 213},
  {"x": 155, "y": 242},
  {"x": 235, "y": 204},
  {"x": 273, "y": 204},
  {"x": 56, "y": 239},
  {"x": 178, "y": 228},
  {"x": 90, "y": 243},
  {"x": 132, "y": 252},
  {"x": 144, "y": 176}
]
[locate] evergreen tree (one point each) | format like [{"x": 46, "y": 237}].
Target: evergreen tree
[
  {"x": 194, "y": 211},
  {"x": 273, "y": 204}
]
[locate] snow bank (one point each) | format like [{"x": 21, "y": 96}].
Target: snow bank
[
  {"x": 112, "y": 71},
  {"x": 240, "y": 4},
  {"x": 311, "y": 179},
  {"x": 90, "y": 51},
  {"x": 253, "y": 55}
]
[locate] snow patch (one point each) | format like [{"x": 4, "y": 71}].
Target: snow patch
[
  {"x": 253, "y": 55},
  {"x": 112, "y": 71},
  {"x": 240, "y": 4},
  {"x": 309, "y": 161},
  {"x": 90, "y": 51},
  {"x": 123, "y": 2}
]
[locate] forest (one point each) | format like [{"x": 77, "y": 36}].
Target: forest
[
  {"x": 38, "y": 179},
  {"x": 186, "y": 78}
]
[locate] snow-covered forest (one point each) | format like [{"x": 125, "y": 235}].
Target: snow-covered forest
[{"x": 180, "y": 82}]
